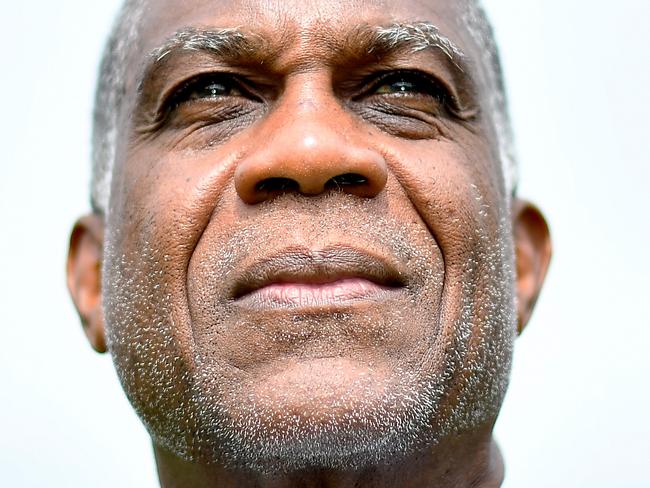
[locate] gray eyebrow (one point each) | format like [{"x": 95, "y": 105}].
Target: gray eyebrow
[
  {"x": 417, "y": 36},
  {"x": 235, "y": 43},
  {"x": 228, "y": 41}
]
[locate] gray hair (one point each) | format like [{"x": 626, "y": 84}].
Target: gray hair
[
  {"x": 111, "y": 90},
  {"x": 109, "y": 100}
]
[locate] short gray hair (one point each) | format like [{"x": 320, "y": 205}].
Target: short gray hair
[
  {"x": 111, "y": 90},
  {"x": 109, "y": 100}
]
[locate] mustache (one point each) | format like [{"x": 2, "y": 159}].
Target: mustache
[{"x": 334, "y": 236}]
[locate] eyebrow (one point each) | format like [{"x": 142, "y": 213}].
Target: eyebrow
[
  {"x": 229, "y": 42},
  {"x": 236, "y": 44},
  {"x": 416, "y": 37}
]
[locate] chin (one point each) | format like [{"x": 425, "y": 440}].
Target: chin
[{"x": 320, "y": 413}]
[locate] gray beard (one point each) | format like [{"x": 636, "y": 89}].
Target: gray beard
[
  {"x": 210, "y": 421},
  {"x": 268, "y": 439}
]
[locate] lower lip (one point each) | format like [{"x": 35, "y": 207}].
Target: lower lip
[{"x": 315, "y": 294}]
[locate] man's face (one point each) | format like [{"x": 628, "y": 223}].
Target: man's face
[{"x": 308, "y": 252}]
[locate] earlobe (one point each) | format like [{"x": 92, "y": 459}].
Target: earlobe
[
  {"x": 532, "y": 243},
  {"x": 84, "y": 266}
]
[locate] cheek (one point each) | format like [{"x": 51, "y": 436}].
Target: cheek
[
  {"x": 452, "y": 185},
  {"x": 159, "y": 209},
  {"x": 455, "y": 191},
  {"x": 164, "y": 202}
]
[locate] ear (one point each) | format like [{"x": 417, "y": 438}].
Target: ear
[
  {"x": 532, "y": 242},
  {"x": 84, "y": 269}
]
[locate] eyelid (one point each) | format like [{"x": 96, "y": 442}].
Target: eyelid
[
  {"x": 458, "y": 106},
  {"x": 171, "y": 98},
  {"x": 375, "y": 81}
]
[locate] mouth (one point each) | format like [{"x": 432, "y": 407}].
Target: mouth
[{"x": 303, "y": 278}]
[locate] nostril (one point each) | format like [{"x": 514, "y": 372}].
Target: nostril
[
  {"x": 346, "y": 180},
  {"x": 277, "y": 185}
]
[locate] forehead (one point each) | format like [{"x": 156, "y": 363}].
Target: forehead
[{"x": 301, "y": 20}]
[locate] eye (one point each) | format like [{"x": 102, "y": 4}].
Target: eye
[
  {"x": 410, "y": 104},
  {"x": 400, "y": 85},
  {"x": 207, "y": 87},
  {"x": 409, "y": 83}
]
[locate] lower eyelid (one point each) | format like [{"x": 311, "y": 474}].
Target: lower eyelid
[
  {"x": 201, "y": 135},
  {"x": 193, "y": 112},
  {"x": 402, "y": 124},
  {"x": 407, "y": 104}
]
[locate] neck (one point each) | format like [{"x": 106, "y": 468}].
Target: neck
[{"x": 462, "y": 461}]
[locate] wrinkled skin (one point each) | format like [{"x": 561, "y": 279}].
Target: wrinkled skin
[{"x": 401, "y": 386}]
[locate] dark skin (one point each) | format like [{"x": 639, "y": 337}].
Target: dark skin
[{"x": 264, "y": 151}]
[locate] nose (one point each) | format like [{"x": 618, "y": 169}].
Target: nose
[{"x": 310, "y": 153}]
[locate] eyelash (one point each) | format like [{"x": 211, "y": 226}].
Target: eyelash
[
  {"x": 182, "y": 93},
  {"x": 372, "y": 82},
  {"x": 424, "y": 87},
  {"x": 428, "y": 85}
]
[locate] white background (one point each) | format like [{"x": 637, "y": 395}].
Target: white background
[{"x": 577, "y": 411}]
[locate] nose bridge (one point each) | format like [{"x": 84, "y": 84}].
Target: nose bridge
[
  {"x": 309, "y": 144},
  {"x": 312, "y": 105}
]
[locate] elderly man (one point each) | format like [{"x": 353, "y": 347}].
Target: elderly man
[{"x": 305, "y": 256}]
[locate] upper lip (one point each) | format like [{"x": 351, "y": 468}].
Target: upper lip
[{"x": 302, "y": 265}]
